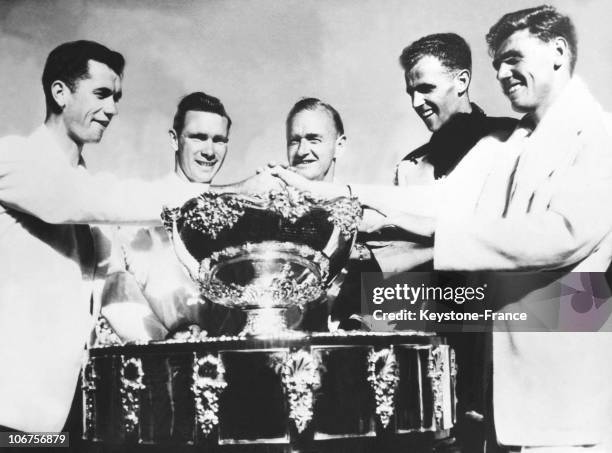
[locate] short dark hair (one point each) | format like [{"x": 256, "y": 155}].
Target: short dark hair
[
  {"x": 199, "y": 102},
  {"x": 69, "y": 62},
  {"x": 544, "y": 22},
  {"x": 314, "y": 104},
  {"x": 450, "y": 48}
]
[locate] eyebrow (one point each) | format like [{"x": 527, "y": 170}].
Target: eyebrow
[
  {"x": 419, "y": 85},
  {"x": 508, "y": 54},
  {"x": 311, "y": 136},
  {"x": 105, "y": 91},
  {"x": 220, "y": 137},
  {"x": 204, "y": 136},
  {"x": 307, "y": 136}
]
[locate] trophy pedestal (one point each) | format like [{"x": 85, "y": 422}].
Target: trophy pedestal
[
  {"x": 266, "y": 322},
  {"x": 317, "y": 392}
]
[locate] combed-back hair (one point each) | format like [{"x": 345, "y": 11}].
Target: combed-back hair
[
  {"x": 69, "y": 62},
  {"x": 199, "y": 102},
  {"x": 544, "y": 22},
  {"x": 450, "y": 48},
  {"x": 314, "y": 104}
]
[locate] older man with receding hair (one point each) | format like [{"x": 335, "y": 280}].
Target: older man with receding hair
[{"x": 315, "y": 139}]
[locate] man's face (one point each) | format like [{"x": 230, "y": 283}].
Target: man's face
[
  {"x": 312, "y": 143},
  {"x": 89, "y": 109},
  {"x": 435, "y": 91},
  {"x": 525, "y": 68},
  {"x": 201, "y": 146}
]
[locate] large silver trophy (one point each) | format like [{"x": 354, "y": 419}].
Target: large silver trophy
[
  {"x": 264, "y": 253},
  {"x": 272, "y": 388}
]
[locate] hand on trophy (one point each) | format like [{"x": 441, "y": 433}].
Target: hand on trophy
[
  {"x": 260, "y": 182},
  {"x": 270, "y": 165},
  {"x": 319, "y": 189},
  {"x": 263, "y": 182}
]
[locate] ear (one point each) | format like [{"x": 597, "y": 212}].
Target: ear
[
  {"x": 561, "y": 52},
  {"x": 60, "y": 92},
  {"x": 340, "y": 145},
  {"x": 462, "y": 81},
  {"x": 173, "y": 140}
]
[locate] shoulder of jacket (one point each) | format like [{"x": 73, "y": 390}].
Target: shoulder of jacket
[
  {"x": 12, "y": 142},
  {"x": 417, "y": 155}
]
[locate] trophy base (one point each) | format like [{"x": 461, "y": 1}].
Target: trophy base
[
  {"x": 266, "y": 322},
  {"x": 347, "y": 391}
]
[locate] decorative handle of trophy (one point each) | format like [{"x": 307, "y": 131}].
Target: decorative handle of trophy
[{"x": 169, "y": 217}]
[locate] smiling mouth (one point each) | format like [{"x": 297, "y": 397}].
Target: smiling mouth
[
  {"x": 206, "y": 163},
  {"x": 512, "y": 88},
  {"x": 426, "y": 114},
  {"x": 304, "y": 162}
]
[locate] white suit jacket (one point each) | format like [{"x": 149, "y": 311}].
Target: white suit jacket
[
  {"x": 538, "y": 202},
  {"x": 47, "y": 271}
]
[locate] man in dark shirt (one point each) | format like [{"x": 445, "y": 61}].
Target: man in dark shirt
[{"x": 437, "y": 70}]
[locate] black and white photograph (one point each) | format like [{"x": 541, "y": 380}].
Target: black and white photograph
[{"x": 308, "y": 226}]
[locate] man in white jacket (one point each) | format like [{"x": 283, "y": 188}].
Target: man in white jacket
[{"x": 47, "y": 270}]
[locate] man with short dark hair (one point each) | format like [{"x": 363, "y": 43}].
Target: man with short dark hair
[
  {"x": 72, "y": 62},
  {"x": 148, "y": 294},
  {"x": 438, "y": 71},
  {"x": 548, "y": 394},
  {"x": 46, "y": 271},
  {"x": 199, "y": 136},
  {"x": 48, "y": 255}
]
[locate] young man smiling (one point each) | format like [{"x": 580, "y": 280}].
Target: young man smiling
[
  {"x": 147, "y": 293},
  {"x": 199, "y": 137},
  {"x": 47, "y": 270},
  {"x": 437, "y": 70}
]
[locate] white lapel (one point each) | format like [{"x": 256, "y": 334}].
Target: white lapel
[{"x": 551, "y": 147}]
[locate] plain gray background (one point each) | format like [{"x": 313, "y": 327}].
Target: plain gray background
[{"x": 259, "y": 57}]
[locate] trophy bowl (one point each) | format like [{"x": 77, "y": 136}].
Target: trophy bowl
[{"x": 264, "y": 253}]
